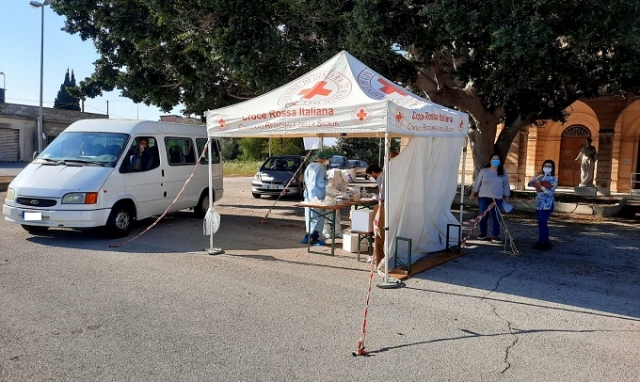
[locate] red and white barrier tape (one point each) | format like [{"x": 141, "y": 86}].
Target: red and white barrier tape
[
  {"x": 204, "y": 151},
  {"x": 360, "y": 350},
  {"x": 475, "y": 222}
]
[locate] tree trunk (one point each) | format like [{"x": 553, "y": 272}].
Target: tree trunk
[{"x": 482, "y": 140}]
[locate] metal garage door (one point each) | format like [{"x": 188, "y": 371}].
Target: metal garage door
[{"x": 9, "y": 151}]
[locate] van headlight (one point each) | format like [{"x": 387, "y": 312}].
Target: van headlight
[
  {"x": 80, "y": 198},
  {"x": 11, "y": 194}
]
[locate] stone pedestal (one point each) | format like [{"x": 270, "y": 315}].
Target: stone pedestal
[
  {"x": 585, "y": 190},
  {"x": 604, "y": 191}
]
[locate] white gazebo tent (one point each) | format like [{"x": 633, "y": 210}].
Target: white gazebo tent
[{"x": 345, "y": 98}]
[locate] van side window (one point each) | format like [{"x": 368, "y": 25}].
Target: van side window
[
  {"x": 180, "y": 151},
  {"x": 201, "y": 142},
  {"x": 144, "y": 150}
]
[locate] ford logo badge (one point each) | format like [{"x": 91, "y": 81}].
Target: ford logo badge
[{"x": 34, "y": 202}]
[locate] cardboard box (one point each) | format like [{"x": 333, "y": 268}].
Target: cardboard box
[
  {"x": 350, "y": 243},
  {"x": 362, "y": 220}
]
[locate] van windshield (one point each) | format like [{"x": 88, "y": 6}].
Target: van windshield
[{"x": 84, "y": 147}]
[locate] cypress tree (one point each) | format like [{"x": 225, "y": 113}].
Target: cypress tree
[{"x": 64, "y": 100}]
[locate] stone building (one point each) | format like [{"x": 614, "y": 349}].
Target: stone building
[
  {"x": 19, "y": 127},
  {"x": 180, "y": 119},
  {"x": 613, "y": 123}
]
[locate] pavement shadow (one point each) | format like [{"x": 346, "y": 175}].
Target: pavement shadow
[
  {"x": 591, "y": 266},
  {"x": 181, "y": 232}
]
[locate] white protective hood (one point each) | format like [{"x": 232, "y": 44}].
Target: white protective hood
[{"x": 345, "y": 98}]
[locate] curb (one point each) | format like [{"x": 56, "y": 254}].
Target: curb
[{"x": 570, "y": 208}]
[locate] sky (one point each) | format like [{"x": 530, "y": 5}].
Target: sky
[{"x": 20, "y": 62}]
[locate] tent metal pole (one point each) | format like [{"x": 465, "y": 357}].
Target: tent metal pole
[
  {"x": 387, "y": 283},
  {"x": 464, "y": 163},
  {"x": 212, "y": 250}
]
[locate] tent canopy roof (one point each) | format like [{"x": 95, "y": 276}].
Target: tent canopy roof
[{"x": 342, "y": 97}]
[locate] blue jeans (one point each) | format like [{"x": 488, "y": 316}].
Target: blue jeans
[
  {"x": 483, "y": 204},
  {"x": 543, "y": 227}
]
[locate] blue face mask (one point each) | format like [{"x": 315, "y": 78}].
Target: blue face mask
[{"x": 495, "y": 162}]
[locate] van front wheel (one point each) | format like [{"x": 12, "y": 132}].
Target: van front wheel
[
  {"x": 119, "y": 222},
  {"x": 203, "y": 205}
]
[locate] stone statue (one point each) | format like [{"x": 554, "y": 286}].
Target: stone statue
[{"x": 588, "y": 157}]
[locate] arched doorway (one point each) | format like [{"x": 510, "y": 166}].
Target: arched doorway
[
  {"x": 573, "y": 138},
  {"x": 635, "y": 179}
]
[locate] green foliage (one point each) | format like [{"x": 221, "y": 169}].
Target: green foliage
[
  {"x": 292, "y": 146},
  {"x": 370, "y": 150},
  {"x": 258, "y": 148},
  {"x": 229, "y": 148},
  {"x": 253, "y": 149},
  {"x": 500, "y": 61},
  {"x": 64, "y": 100}
]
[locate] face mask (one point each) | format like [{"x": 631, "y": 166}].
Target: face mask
[
  {"x": 495, "y": 162},
  {"x": 546, "y": 170}
]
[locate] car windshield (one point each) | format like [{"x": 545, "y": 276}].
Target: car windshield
[
  {"x": 282, "y": 164},
  {"x": 84, "y": 147},
  {"x": 337, "y": 160}
]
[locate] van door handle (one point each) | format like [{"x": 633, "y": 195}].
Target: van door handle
[
  {"x": 163, "y": 173},
  {"x": 165, "y": 194}
]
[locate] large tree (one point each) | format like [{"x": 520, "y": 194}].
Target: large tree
[{"x": 500, "y": 61}]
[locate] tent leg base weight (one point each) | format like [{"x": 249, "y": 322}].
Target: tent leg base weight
[
  {"x": 391, "y": 283},
  {"x": 215, "y": 251}
]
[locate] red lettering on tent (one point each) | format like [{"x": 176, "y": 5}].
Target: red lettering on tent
[
  {"x": 388, "y": 88},
  {"x": 361, "y": 114},
  {"x": 317, "y": 89}
]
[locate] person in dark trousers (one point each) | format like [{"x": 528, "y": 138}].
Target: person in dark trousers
[{"x": 545, "y": 184}]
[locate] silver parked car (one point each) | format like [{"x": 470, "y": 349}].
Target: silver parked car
[{"x": 276, "y": 172}]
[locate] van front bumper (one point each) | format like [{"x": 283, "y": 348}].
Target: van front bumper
[{"x": 56, "y": 218}]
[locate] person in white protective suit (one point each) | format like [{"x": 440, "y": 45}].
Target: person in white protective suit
[
  {"x": 338, "y": 184},
  {"x": 315, "y": 180}
]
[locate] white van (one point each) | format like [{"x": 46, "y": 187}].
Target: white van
[{"x": 96, "y": 174}]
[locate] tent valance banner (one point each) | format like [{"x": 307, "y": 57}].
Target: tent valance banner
[
  {"x": 345, "y": 98},
  {"x": 341, "y": 97}
]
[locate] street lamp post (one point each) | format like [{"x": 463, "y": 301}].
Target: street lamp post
[
  {"x": 3, "y": 94},
  {"x": 36, "y": 4}
]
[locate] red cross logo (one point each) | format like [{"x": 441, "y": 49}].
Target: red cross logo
[
  {"x": 387, "y": 88},
  {"x": 222, "y": 122},
  {"x": 399, "y": 117},
  {"x": 361, "y": 114},
  {"x": 317, "y": 89}
]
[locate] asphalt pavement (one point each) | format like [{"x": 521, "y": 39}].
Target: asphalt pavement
[{"x": 77, "y": 307}]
